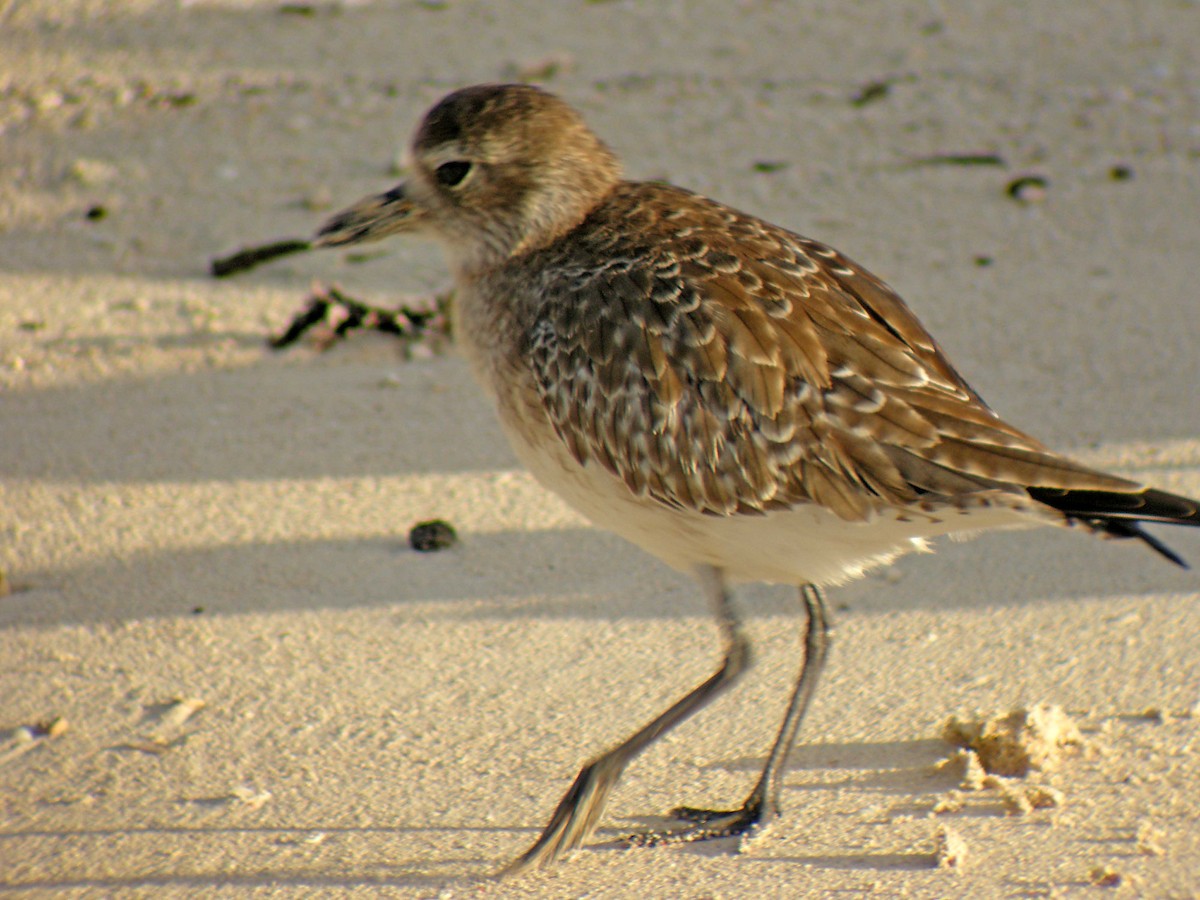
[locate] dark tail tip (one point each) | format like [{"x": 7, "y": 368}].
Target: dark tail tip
[
  {"x": 1127, "y": 529},
  {"x": 1121, "y": 515}
]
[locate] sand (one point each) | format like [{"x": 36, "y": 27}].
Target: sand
[{"x": 223, "y": 672}]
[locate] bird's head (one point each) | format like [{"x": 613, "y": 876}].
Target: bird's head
[{"x": 496, "y": 170}]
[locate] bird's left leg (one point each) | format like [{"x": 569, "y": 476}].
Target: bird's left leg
[{"x": 577, "y": 812}]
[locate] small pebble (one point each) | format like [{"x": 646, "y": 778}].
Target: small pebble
[
  {"x": 1028, "y": 188},
  {"x": 870, "y": 92},
  {"x": 56, "y": 727},
  {"x": 1156, "y": 714},
  {"x": 180, "y": 711},
  {"x": 1104, "y": 876},
  {"x": 428, "y": 537}
]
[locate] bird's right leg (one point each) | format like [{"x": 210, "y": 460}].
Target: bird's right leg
[
  {"x": 762, "y": 804},
  {"x": 577, "y": 812}
]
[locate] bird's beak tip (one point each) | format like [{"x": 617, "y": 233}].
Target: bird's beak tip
[
  {"x": 333, "y": 234},
  {"x": 370, "y": 219}
]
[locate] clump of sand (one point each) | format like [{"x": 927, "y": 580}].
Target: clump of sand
[
  {"x": 1024, "y": 740},
  {"x": 995, "y": 752}
]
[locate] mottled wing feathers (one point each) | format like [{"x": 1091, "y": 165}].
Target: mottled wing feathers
[{"x": 717, "y": 363}]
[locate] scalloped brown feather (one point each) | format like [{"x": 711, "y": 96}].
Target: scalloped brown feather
[{"x": 777, "y": 370}]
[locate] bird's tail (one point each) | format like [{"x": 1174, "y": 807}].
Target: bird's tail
[{"x": 1122, "y": 514}]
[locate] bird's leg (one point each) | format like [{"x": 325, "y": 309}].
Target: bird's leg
[
  {"x": 581, "y": 806},
  {"x": 762, "y": 805}
]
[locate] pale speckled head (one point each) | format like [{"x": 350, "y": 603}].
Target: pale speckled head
[{"x": 496, "y": 170}]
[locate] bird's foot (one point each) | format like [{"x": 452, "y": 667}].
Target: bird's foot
[
  {"x": 699, "y": 815},
  {"x": 706, "y": 824}
]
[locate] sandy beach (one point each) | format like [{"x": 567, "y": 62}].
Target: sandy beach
[{"x": 225, "y": 673}]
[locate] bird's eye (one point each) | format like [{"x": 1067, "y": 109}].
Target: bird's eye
[{"x": 452, "y": 173}]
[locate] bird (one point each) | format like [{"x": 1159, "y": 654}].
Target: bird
[{"x": 742, "y": 402}]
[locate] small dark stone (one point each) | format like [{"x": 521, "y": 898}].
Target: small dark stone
[
  {"x": 1120, "y": 172},
  {"x": 428, "y": 537},
  {"x": 1028, "y": 188},
  {"x": 870, "y": 92},
  {"x": 96, "y": 213}
]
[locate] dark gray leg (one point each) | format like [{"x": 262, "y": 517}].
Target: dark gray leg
[
  {"x": 762, "y": 805},
  {"x": 582, "y": 805}
]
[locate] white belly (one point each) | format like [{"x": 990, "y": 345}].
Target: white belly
[{"x": 806, "y": 544}]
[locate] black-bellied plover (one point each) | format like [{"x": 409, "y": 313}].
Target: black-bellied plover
[{"x": 740, "y": 401}]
